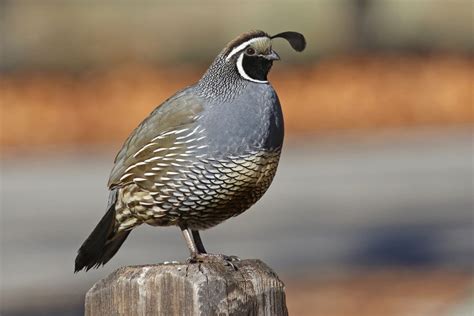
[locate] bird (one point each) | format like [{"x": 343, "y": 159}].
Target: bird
[{"x": 206, "y": 154}]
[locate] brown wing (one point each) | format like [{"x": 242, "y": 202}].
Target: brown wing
[{"x": 150, "y": 152}]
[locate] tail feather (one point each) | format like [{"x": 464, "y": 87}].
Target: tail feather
[{"x": 102, "y": 243}]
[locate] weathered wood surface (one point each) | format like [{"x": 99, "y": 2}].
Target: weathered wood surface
[{"x": 189, "y": 289}]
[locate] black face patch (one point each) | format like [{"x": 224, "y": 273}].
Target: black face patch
[{"x": 256, "y": 67}]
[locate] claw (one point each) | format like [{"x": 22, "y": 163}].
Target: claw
[{"x": 229, "y": 263}]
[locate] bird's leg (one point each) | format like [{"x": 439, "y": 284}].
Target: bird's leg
[
  {"x": 193, "y": 250},
  {"x": 198, "y": 241}
]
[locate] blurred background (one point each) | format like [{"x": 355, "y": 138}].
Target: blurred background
[{"x": 371, "y": 212}]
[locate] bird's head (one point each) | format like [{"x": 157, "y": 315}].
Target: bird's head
[{"x": 251, "y": 54}]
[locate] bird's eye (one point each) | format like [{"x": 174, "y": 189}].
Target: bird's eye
[{"x": 250, "y": 51}]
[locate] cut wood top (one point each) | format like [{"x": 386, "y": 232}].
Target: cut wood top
[{"x": 189, "y": 289}]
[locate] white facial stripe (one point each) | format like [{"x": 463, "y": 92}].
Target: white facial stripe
[
  {"x": 242, "y": 46},
  {"x": 241, "y": 70}
]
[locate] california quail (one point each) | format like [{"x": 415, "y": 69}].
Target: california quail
[{"x": 206, "y": 154}]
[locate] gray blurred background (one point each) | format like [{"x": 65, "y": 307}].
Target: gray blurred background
[{"x": 376, "y": 178}]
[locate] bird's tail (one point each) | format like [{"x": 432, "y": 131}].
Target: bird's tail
[{"x": 103, "y": 242}]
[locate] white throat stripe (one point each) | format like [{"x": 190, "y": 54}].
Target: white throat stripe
[
  {"x": 242, "y": 73},
  {"x": 242, "y": 46}
]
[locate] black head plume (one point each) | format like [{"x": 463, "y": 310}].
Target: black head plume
[{"x": 296, "y": 40}]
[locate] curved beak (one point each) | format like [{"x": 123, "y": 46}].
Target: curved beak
[{"x": 272, "y": 56}]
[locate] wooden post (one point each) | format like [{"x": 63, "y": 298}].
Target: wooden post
[{"x": 189, "y": 289}]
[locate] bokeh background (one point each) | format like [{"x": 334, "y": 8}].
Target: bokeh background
[{"x": 371, "y": 212}]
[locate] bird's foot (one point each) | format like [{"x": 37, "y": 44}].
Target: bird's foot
[{"x": 211, "y": 257}]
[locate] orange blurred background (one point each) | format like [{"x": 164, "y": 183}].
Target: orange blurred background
[{"x": 363, "y": 93}]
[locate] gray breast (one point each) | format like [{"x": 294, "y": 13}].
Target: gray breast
[{"x": 250, "y": 121}]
